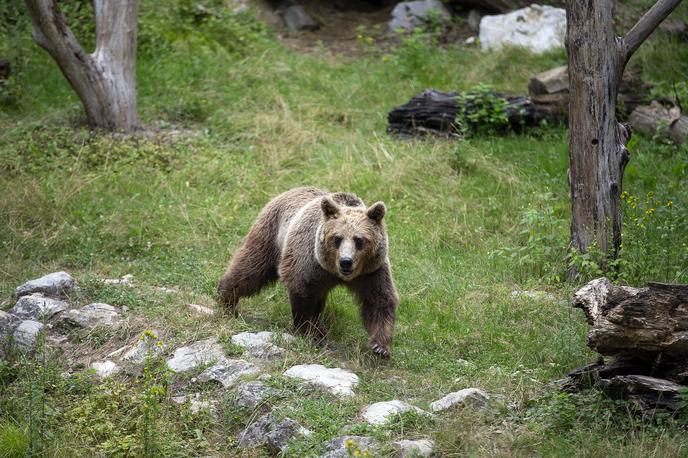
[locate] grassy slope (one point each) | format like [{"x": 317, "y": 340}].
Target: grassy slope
[{"x": 469, "y": 222}]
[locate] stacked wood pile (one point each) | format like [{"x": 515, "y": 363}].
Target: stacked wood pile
[{"x": 642, "y": 334}]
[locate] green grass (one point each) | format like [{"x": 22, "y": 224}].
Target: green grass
[{"x": 242, "y": 119}]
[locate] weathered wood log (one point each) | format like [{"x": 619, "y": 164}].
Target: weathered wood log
[
  {"x": 644, "y": 331},
  {"x": 550, "y": 82},
  {"x": 656, "y": 119},
  {"x": 440, "y": 113},
  {"x": 633, "y": 92}
]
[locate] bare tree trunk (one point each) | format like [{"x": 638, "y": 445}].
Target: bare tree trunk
[
  {"x": 105, "y": 80},
  {"x": 597, "y": 142}
]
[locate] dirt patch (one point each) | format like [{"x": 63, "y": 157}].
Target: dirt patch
[{"x": 355, "y": 29}]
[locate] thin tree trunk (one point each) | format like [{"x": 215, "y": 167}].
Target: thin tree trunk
[
  {"x": 597, "y": 142},
  {"x": 105, "y": 80}
]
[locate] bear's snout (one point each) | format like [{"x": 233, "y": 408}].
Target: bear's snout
[{"x": 345, "y": 264}]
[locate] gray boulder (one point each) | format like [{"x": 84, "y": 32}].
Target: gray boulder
[
  {"x": 8, "y": 323},
  {"x": 228, "y": 371},
  {"x": 472, "y": 397},
  {"x": 37, "y": 306},
  {"x": 149, "y": 344},
  {"x": 410, "y": 15},
  {"x": 26, "y": 333},
  {"x": 251, "y": 394},
  {"x": 91, "y": 316},
  {"x": 296, "y": 18},
  {"x": 271, "y": 432},
  {"x": 345, "y": 446},
  {"x": 195, "y": 355},
  {"x": 414, "y": 449},
  {"x": 54, "y": 284}
]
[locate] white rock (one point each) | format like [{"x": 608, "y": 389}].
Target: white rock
[
  {"x": 261, "y": 344},
  {"x": 337, "y": 381},
  {"x": 36, "y": 306},
  {"x": 228, "y": 371},
  {"x": 92, "y": 315},
  {"x": 202, "y": 309},
  {"x": 409, "y": 15},
  {"x": 382, "y": 412},
  {"x": 149, "y": 344},
  {"x": 417, "y": 448},
  {"x": 126, "y": 280},
  {"x": 105, "y": 369},
  {"x": 257, "y": 339},
  {"x": 52, "y": 284},
  {"x": 472, "y": 397},
  {"x": 26, "y": 333},
  {"x": 197, "y": 354},
  {"x": 538, "y": 28}
]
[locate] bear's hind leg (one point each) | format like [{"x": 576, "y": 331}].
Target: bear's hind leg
[{"x": 249, "y": 271}]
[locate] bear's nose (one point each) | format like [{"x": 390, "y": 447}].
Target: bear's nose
[{"x": 346, "y": 263}]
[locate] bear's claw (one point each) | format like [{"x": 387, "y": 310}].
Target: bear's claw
[{"x": 380, "y": 351}]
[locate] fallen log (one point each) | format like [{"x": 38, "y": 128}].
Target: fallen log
[
  {"x": 450, "y": 113},
  {"x": 643, "y": 333}
]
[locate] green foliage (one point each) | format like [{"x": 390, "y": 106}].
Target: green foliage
[
  {"x": 191, "y": 26},
  {"x": 654, "y": 223},
  {"x": 542, "y": 241},
  {"x": 14, "y": 442},
  {"x": 482, "y": 110}
]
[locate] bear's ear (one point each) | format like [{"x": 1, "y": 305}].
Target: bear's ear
[
  {"x": 329, "y": 207},
  {"x": 377, "y": 211}
]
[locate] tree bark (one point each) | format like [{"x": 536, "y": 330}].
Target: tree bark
[
  {"x": 104, "y": 80},
  {"x": 643, "y": 333},
  {"x": 597, "y": 142}
]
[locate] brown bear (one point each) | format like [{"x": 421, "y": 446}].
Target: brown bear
[{"x": 314, "y": 240}]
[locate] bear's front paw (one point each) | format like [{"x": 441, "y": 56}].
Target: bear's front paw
[{"x": 380, "y": 351}]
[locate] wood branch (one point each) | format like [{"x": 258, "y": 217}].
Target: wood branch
[
  {"x": 437, "y": 113},
  {"x": 644, "y": 332},
  {"x": 646, "y": 25}
]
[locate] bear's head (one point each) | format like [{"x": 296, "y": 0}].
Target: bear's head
[{"x": 351, "y": 240}]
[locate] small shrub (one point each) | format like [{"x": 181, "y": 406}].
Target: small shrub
[{"x": 481, "y": 110}]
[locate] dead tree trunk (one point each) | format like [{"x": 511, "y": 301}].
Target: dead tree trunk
[
  {"x": 597, "y": 142},
  {"x": 105, "y": 80},
  {"x": 643, "y": 334}
]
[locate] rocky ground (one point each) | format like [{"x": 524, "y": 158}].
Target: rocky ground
[{"x": 43, "y": 312}]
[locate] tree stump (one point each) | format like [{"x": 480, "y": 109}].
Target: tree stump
[{"x": 643, "y": 332}]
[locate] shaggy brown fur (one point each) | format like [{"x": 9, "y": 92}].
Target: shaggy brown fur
[{"x": 314, "y": 241}]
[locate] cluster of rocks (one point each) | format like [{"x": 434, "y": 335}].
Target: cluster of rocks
[{"x": 44, "y": 304}]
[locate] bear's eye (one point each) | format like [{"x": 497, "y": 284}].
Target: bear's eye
[
  {"x": 337, "y": 240},
  {"x": 359, "y": 243}
]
